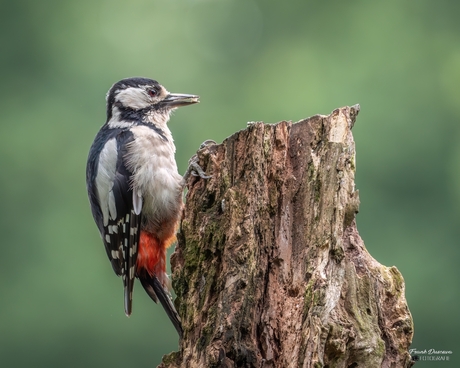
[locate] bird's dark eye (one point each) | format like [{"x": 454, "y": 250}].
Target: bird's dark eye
[{"x": 152, "y": 92}]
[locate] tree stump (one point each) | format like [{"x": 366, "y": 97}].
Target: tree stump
[{"x": 270, "y": 270}]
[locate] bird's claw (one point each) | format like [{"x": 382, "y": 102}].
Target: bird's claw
[
  {"x": 194, "y": 168},
  {"x": 206, "y": 143}
]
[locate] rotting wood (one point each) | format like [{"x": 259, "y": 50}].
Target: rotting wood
[{"x": 270, "y": 270}]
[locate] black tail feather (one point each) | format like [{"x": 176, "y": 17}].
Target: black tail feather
[{"x": 156, "y": 291}]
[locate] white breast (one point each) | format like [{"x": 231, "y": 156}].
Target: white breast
[{"x": 155, "y": 176}]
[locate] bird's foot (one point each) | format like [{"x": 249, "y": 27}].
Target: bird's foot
[
  {"x": 194, "y": 168},
  {"x": 206, "y": 143}
]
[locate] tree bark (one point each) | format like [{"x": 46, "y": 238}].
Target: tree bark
[{"x": 270, "y": 270}]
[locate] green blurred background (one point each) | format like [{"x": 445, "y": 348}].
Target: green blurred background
[{"x": 249, "y": 60}]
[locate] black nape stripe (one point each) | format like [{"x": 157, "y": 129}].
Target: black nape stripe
[
  {"x": 154, "y": 128},
  {"x": 137, "y": 118}
]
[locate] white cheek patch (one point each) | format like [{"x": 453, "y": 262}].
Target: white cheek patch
[{"x": 134, "y": 98}]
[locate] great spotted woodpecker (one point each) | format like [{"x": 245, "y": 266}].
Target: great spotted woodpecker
[{"x": 134, "y": 188}]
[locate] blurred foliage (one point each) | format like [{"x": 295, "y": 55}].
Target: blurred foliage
[{"x": 249, "y": 60}]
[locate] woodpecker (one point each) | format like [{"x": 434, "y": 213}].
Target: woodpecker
[{"x": 134, "y": 188}]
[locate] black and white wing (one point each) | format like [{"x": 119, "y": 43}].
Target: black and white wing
[{"x": 117, "y": 216}]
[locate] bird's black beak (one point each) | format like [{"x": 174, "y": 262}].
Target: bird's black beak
[{"x": 177, "y": 100}]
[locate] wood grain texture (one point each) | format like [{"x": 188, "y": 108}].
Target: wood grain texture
[{"x": 270, "y": 270}]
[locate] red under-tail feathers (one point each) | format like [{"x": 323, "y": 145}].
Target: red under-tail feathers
[{"x": 151, "y": 271}]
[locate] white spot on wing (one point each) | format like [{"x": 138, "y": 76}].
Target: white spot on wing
[
  {"x": 107, "y": 238},
  {"x": 105, "y": 176},
  {"x": 115, "y": 254},
  {"x": 137, "y": 202},
  {"x": 112, "y": 206}
]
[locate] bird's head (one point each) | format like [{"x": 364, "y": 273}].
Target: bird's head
[{"x": 143, "y": 99}]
